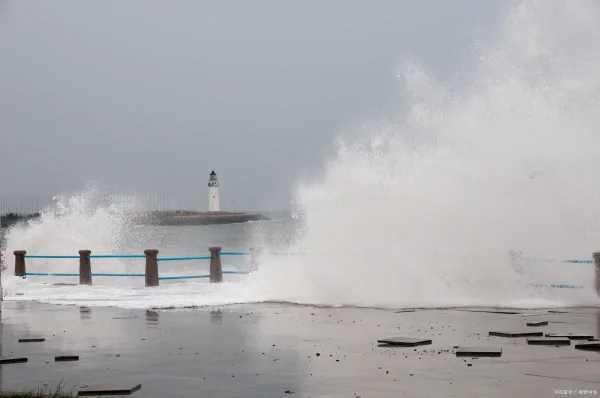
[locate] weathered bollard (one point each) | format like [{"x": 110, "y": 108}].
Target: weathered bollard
[
  {"x": 255, "y": 253},
  {"x": 216, "y": 272},
  {"x": 85, "y": 267},
  {"x": 515, "y": 259},
  {"x": 151, "y": 267},
  {"x": 597, "y": 271},
  {"x": 20, "y": 268}
]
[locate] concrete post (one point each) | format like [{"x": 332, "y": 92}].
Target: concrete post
[
  {"x": 255, "y": 253},
  {"x": 151, "y": 267},
  {"x": 515, "y": 260},
  {"x": 20, "y": 268},
  {"x": 597, "y": 271},
  {"x": 85, "y": 267},
  {"x": 216, "y": 275}
]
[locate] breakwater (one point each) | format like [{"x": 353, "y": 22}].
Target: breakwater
[
  {"x": 164, "y": 217},
  {"x": 196, "y": 218}
]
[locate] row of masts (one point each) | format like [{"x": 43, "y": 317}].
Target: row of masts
[{"x": 142, "y": 201}]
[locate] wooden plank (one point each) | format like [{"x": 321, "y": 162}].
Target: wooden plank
[
  {"x": 479, "y": 352},
  {"x": 32, "y": 340},
  {"x": 404, "y": 341},
  {"x": 111, "y": 389},
  {"x": 571, "y": 336},
  {"x": 66, "y": 358},
  {"x": 515, "y": 334},
  {"x": 11, "y": 360},
  {"x": 588, "y": 345},
  {"x": 548, "y": 341},
  {"x": 537, "y": 323}
]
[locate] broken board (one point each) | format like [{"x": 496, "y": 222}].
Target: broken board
[
  {"x": 588, "y": 345},
  {"x": 548, "y": 341},
  {"x": 66, "y": 358},
  {"x": 475, "y": 352},
  {"x": 32, "y": 340},
  {"x": 404, "y": 341},
  {"x": 11, "y": 360},
  {"x": 571, "y": 336},
  {"x": 117, "y": 389},
  {"x": 515, "y": 334},
  {"x": 537, "y": 323}
]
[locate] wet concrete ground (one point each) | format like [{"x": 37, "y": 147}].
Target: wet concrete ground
[{"x": 273, "y": 350}]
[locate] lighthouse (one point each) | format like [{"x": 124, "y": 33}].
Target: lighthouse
[{"x": 213, "y": 193}]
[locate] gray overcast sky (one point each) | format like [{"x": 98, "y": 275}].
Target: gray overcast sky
[{"x": 155, "y": 94}]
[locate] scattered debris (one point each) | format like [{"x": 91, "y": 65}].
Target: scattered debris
[
  {"x": 66, "y": 358},
  {"x": 475, "y": 352},
  {"x": 516, "y": 334},
  {"x": 538, "y": 323},
  {"x": 548, "y": 341},
  {"x": 10, "y": 360},
  {"x": 588, "y": 345},
  {"x": 94, "y": 390},
  {"x": 404, "y": 341},
  {"x": 572, "y": 336},
  {"x": 32, "y": 340}
]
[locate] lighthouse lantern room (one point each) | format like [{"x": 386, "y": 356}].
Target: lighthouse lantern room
[{"x": 213, "y": 193}]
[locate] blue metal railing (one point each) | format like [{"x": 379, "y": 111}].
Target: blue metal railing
[
  {"x": 243, "y": 253},
  {"x": 183, "y": 258},
  {"x": 547, "y": 260},
  {"x": 168, "y": 277},
  {"x": 30, "y": 256}
]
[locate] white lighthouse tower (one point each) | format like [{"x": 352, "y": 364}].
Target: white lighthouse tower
[{"x": 213, "y": 193}]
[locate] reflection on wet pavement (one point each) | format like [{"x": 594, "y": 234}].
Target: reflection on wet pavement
[{"x": 273, "y": 350}]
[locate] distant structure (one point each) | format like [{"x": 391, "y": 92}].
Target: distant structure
[{"x": 213, "y": 193}]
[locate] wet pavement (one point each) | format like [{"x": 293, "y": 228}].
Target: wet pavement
[{"x": 271, "y": 350}]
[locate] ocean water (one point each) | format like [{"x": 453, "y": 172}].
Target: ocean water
[{"x": 419, "y": 210}]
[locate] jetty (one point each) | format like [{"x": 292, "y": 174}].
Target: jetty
[{"x": 197, "y": 218}]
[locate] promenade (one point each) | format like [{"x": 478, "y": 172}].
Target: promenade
[{"x": 273, "y": 350}]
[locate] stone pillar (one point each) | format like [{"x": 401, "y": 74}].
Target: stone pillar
[
  {"x": 515, "y": 260},
  {"x": 85, "y": 267},
  {"x": 20, "y": 269},
  {"x": 597, "y": 271},
  {"x": 151, "y": 267},
  {"x": 216, "y": 275}
]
